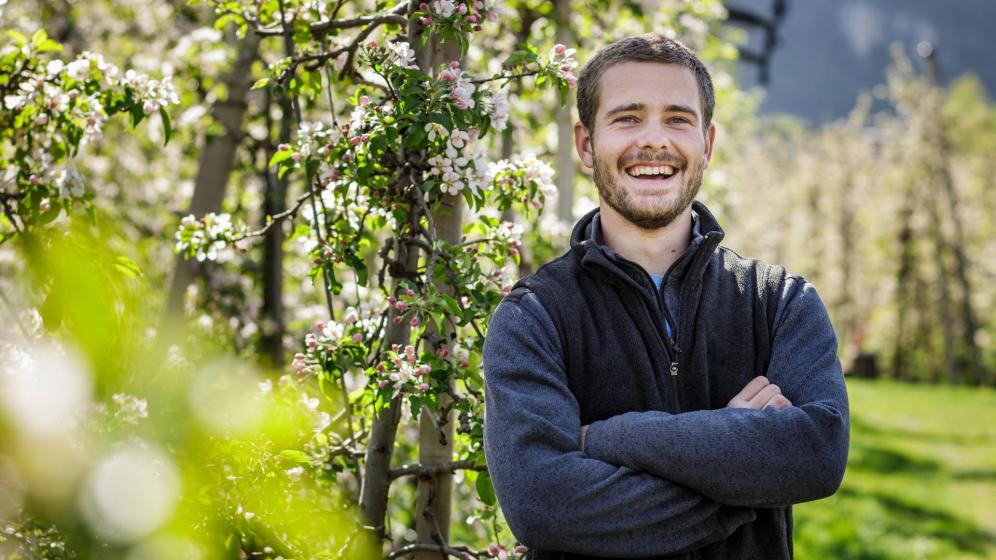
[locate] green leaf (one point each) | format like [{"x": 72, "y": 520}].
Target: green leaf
[
  {"x": 261, "y": 83},
  {"x": 451, "y": 305},
  {"x": 167, "y": 125},
  {"x": 296, "y": 456},
  {"x": 127, "y": 267},
  {"x": 17, "y": 36},
  {"x": 485, "y": 489},
  {"x": 279, "y": 157}
]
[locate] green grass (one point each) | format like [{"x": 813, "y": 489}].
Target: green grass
[{"x": 920, "y": 481}]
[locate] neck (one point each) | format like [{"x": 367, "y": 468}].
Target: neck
[{"x": 653, "y": 249}]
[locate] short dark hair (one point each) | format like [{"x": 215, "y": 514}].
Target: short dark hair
[{"x": 650, "y": 47}]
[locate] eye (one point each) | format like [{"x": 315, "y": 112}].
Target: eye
[
  {"x": 679, "y": 120},
  {"x": 625, "y": 119}
]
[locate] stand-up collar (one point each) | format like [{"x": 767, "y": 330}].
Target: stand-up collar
[{"x": 588, "y": 245}]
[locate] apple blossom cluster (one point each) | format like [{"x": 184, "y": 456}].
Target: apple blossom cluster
[
  {"x": 330, "y": 339},
  {"x": 50, "y": 108},
  {"x": 203, "y": 238},
  {"x": 463, "y": 163},
  {"x": 499, "y": 552},
  {"x": 403, "y": 372},
  {"x": 562, "y": 60},
  {"x": 456, "y": 15},
  {"x": 525, "y": 179}
]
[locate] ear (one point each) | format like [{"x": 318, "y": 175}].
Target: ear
[
  {"x": 582, "y": 142},
  {"x": 710, "y": 139}
]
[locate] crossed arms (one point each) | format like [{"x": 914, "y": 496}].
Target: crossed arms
[{"x": 651, "y": 483}]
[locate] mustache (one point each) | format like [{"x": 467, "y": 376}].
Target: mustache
[{"x": 662, "y": 158}]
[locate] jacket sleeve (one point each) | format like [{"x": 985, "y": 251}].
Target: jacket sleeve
[
  {"x": 754, "y": 458},
  {"x": 553, "y": 496}
]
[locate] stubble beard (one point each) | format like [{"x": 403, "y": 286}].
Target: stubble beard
[{"x": 649, "y": 217}]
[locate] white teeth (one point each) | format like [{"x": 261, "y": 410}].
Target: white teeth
[{"x": 665, "y": 170}]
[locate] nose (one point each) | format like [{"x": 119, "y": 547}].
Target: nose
[{"x": 653, "y": 136}]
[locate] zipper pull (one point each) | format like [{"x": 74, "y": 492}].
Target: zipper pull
[{"x": 674, "y": 369}]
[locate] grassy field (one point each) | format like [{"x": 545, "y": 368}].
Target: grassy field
[{"x": 920, "y": 482}]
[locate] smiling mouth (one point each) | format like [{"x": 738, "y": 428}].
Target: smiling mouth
[{"x": 652, "y": 171}]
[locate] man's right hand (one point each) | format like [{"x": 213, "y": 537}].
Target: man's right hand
[{"x": 760, "y": 394}]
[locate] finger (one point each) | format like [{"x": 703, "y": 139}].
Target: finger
[
  {"x": 764, "y": 395},
  {"x": 753, "y": 388},
  {"x": 778, "y": 402}
]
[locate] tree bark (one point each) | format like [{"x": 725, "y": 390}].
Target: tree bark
[
  {"x": 217, "y": 159},
  {"x": 565, "y": 127},
  {"x": 384, "y": 428},
  {"x": 433, "y": 504},
  {"x": 275, "y": 202}
]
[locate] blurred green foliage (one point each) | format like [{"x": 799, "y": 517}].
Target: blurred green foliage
[{"x": 920, "y": 480}]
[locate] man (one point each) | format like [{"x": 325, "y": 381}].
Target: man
[{"x": 651, "y": 393}]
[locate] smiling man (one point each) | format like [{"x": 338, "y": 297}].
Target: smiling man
[{"x": 652, "y": 393}]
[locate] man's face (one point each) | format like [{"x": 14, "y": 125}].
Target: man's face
[{"x": 648, "y": 149}]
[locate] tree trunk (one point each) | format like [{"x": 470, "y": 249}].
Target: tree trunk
[
  {"x": 435, "y": 438},
  {"x": 384, "y": 429},
  {"x": 217, "y": 159},
  {"x": 904, "y": 277},
  {"x": 565, "y": 127},
  {"x": 435, "y": 442},
  {"x": 275, "y": 202}
]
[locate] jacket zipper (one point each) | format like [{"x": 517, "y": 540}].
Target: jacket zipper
[{"x": 670, "y": 348}]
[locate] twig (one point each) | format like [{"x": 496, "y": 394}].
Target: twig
[
  {"x": 425, "y": 471},
  {"x": 504, "y": 77},
  {"x": 320, "y": 27},
  {"x": 276, "y": 218}
]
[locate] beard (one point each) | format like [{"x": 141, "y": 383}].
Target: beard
[{"x": 655, "y": 215}]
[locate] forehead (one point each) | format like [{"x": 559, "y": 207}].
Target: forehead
[{"x": 652, "y": 84}]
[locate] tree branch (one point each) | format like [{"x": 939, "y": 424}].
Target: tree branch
[{"x": 418, "y": 469}]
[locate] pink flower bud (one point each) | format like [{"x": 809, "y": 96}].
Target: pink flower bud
[
  {"x": 442, "y": 352},
  {"x": 572, "y": 81},
  {"x": 382, "y": 383},
  {"x": 365, "y": 138},
  {"x": 41, "y": 119},
  {"x": 319, "y": 325},
  {"x": 520, "y": 549},
  {"x": 297, "y": 156},
  {"x": 423, "y": 387},
  {"x": 478, "y": 5},
  {"x": 473, "y": 18},
  {"x": 372, "y": 44},
  {"x": 34, "y": 179},
  {"x": 401, "y": 306},
  {"x": 423, "y": 6},
  {"x": 391, "y": 300},
  {"x": 415, "y": 322},
  {"x": 464, "y": 362},
  {"x": 364, "y": 100},
  {"x": 395, "y": 348},
  {"x": 410, "y": 292},
  {"x": 494, "y": 549},
  {"x": 426, "y": 21},
  {"x": 396, "y": 320},
  {"x": 380, "y": 367},
  {"x": 355, "y": 140},
  {"x": 424, "y": 369},
  {"x": 283, "y": 147},
  {"x": 461, "y": 9},
  {"x": 455, "y": 63},
  {"x": 559, "y": 49},
  {"x": 410, "y": 351},
  {"x": 357, "y": 338}
]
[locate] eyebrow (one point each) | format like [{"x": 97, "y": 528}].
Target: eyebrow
[{"x": 630, "y": 107}]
